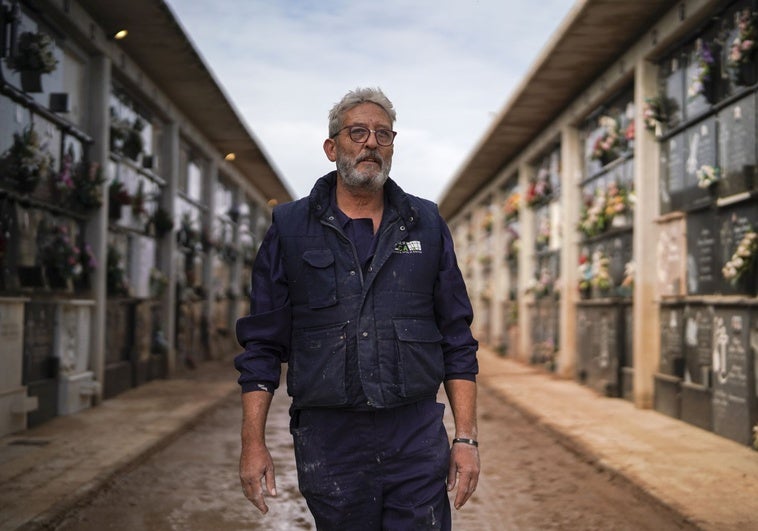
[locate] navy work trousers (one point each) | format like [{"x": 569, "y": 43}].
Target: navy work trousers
[{"x": 373, "y": 470}]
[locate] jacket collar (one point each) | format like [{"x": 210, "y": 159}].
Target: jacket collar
[{"x": 320, "y": 198}]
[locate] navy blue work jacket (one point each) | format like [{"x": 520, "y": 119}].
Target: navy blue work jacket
[{"x": 377, "y": 336}]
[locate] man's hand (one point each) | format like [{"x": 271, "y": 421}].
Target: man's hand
[
  {"x": 257, "y": 468},
  {"x": 464, "y": 470}
]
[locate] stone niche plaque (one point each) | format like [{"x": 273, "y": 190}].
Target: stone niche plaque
[
  {"x": 40, "y": 363},
  {"x": 12, "y": 341},
  {"x": 735, "y": 406},
  {"x": 696, "y": 392},
  {"x": 696, "y": 104},
  {"x": 703, "y": 253},
  {"x": 735, "y": 222},
  {"x": 672, "y": 257},
  {"x": 600, "y": 349},
  {"x": 698, "y": 343},
  {"x": 700, "y": 151},
  {"x": 737, "y": 147},
  {"x": 672, "y": 169},
  {"x": 672, "y": 335},
  {"x": 673, "y": 75}
]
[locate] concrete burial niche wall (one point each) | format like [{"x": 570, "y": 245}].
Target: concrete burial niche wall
[
  {"x": 14, "y": 403},
  {"x": 735, "y": 347},
  {"x": 601, "y": 347}
]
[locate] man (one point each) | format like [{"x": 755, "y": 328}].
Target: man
[{"x": 357, "y": 289}]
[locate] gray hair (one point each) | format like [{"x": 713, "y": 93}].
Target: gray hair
[{"x": 355, "y": 98}]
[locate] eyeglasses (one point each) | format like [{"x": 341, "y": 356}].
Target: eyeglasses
[{"x": 360, "y": 134}]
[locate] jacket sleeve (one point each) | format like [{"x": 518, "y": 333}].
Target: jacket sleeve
[
  {"x": 265, "y": 331},
  {"x": 454, "y": 314}
]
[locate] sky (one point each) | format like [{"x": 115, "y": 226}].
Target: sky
[{"x": 448, "y": 66}]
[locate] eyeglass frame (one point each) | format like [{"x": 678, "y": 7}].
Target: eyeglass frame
[{"x": 394, "y": 134}]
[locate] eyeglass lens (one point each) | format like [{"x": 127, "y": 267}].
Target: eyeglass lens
[{"x": 384, "y": 137}]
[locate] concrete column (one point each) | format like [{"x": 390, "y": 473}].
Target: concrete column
[
  {"x": 210, "y": 184},
  {"x": 170, "y": 149},
  {"x": 478, "y": 281},
  {"x": 97, "y": 227},
  {"x": 499, "y": 270},
  {"x": 646, "y": 311},
  {"x": 525, "y": 264},
  {"x": 236, "y": 266},
  {"x": 571, "y": 197}
]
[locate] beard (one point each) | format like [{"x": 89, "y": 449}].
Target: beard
[{"x": 369, "y": 179}]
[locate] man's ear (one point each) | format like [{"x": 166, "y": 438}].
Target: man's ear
[{"x": 330, "y": 148}]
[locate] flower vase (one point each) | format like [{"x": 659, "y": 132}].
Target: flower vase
[
  {"x": 746, "y": 73},
  {"x": 748, "y": 282},
  {"x": 585, "y": 293},
  {"x": 114, "y": 210},
  {"x": 621, "y": 220},
  {"x": 601, "y": 293},
  {"x": 26, "y": 182},
  {"x": 82, "y": 283},
  {"x": 57, "y": 281},
  {"x": 709, "y": 91},
  {"x": 31, "y": 80}
]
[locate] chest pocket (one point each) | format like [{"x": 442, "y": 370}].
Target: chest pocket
[{"x": 320, "y": 278}]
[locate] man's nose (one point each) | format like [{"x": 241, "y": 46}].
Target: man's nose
[{"x": 371, "y": 142}]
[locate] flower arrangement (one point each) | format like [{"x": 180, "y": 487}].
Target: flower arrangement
[
  {"x": 704, "y": 61},
  {"x": 118, "y": 195},
  {"x": 126, "y": 136},
  {"x": 608, "y": 144},
  {"x": 162, "y": 221},
  {"x": 87, "y": 259},
  {"x": 744, "y": 44},
  {"x": 707, "y": 176},
  {"x": 27, "y": 161},
  {"x": 539, "y": 190},
  {"x": 88, "y": 180},
  {"x": 585, "y": 274},
  {"x": 62, "y": 183},
  {"x": 742, "y": 259},
  {"x": 487, "y": 222},
  {"x": 627, "y": 284},
  {"x": 116, "y": 281},
  {"x": 618, "y": 200},
  {"x": 511, "y": 206},
  {"x": 485, "y": 260},
  {"x": 629, "y": 132},
  {"x": 35, "y": 53},
  {"x": 138, "y": 201},
  {"x": 656, "y": 113},
  {"x": 59, "y": 254},
  {"x": 593, "y": 217},
  {"x": 543, "y": 232},
  {"x": 601, "y": 276},
  {"x": 187, "y": 236},
  {"x": 543, "y": 285}
]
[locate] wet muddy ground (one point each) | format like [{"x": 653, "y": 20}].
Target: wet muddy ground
[{"x": 529, "y": 481}]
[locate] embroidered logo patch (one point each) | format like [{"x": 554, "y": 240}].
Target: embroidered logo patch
[{"x": 408, "y": 247}]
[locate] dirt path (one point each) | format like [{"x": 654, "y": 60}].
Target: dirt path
[{"x": 529, "y": 481}]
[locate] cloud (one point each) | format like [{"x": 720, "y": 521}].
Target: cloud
[{"x": 448, "y": 66}]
